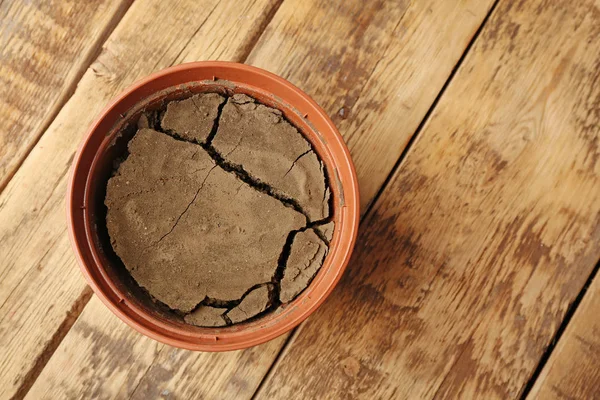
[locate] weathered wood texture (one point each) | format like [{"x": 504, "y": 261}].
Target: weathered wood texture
[
  {"x": 573, "y": 369},
  {"x": 116, "y": 362},
  {"x": 377, "y": 23},
  {"x": 374, "y": 66},
  {"x": 39, "y": 280},
  {"x": 44, "y": 48},
  {"x": 483, "y": 237},
  {"x": 103, "y": 358}
]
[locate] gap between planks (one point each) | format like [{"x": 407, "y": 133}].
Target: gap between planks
[
  {"x": 370, "y": 207},
  {"x": 70, "y": 87},
  {"x": 559, "y": 332},
  {"x": 433, "y": 94},
  {"x": 87, "y": 294},
  {"x": 532, "y": 261},
  {"x": 52, "y": 345}
]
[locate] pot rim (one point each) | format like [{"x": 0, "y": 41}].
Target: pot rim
[{"x": 327, "y": 142}]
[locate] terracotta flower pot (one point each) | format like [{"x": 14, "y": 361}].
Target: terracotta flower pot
[{"x": 105, "y": 140}]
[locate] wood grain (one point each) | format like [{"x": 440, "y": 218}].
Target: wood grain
[
  {"x": 227, "y": 383},
  {"x": 44, "y": 48},
  {"x": 114, "y": 362},
  {"x": 193, "y": 362},
  {"x": 377, "y": 25},
  {"x": 483, "y": 237},
  {"x": 572, "y": 371},
  {"x": 375, "y": 67},
  {"x": 103, "y": 358},
  {"x": 39, "y": 280}
]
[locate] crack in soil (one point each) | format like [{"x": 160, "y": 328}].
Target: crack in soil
[
  {"x": 254, "y": 182},
  {"x": 229, "y": 305},
  {"x": 235, "y": 147},
  {"x": 274, "y": 285},
  {"x": 239, "y": 170},
  {"x": 215, "y": 127},
  {"x": 285, "y": 255},
  {"x": 295, "y": 161},
  {"x": 186, "y": 208}
]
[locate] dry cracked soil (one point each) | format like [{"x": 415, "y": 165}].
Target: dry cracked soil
[{"x": 220, "y": 210}]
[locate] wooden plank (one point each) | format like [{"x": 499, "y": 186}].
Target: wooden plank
[
  {"x": 373, "y": 25},
  {"x": 370, "y": 65},
  {"x": 102, "y": 358},
  {"x": 377, "y": 25},
  {"x": 485, "y": 234},
  {"x": 39, "y": 280},
  {"x": 572, "y": 370},
  {"x": 44, "y": 46}
]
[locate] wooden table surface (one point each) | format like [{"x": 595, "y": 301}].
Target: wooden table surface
[{"x": 474, "y": 126}]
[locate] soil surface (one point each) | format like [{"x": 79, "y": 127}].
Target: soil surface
[
  {"x": 220, "y": 209},
  {"x": 305, "y": 259},
  {"x": 193, "y": 118},
  {"x": 271, "y": 150}
]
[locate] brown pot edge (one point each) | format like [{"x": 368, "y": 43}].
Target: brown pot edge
[{"x": 343, "y": 248}]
